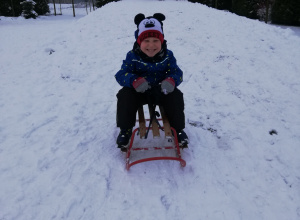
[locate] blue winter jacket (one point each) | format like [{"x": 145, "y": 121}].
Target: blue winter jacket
[{"x": 154, "y": 72}]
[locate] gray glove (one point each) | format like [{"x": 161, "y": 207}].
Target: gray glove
[
  {"x": 168, "y": 85},
  {"x": 141, "y": 84}
]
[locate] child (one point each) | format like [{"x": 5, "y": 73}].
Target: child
[{"x": 147, "y": 66}]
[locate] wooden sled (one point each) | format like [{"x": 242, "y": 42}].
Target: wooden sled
[{"x": 164, "y": 140}]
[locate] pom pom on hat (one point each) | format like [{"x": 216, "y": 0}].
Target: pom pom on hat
[{"x": 149, "y": 27}]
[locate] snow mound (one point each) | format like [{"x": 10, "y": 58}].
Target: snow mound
[{"x": 57, "y": 127}]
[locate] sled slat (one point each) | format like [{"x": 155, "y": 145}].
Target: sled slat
[
  {"x": 170, "y": 135},
  {"x": 142, "y": 122},
  {"x": 155, "y": 129},
  {"x": 166, "y": 123}
]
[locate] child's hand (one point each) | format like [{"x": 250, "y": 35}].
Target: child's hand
[
  {"x": 167, "y": 85},
  {"x": 141, "y": 84}
]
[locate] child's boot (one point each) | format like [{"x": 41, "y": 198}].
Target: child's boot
[
  {"x": 124, "y": 137},
  {"x": 183, "y": 139}
]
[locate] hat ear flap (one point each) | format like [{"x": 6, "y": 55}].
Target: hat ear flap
[
  {"x": 138, "y": 18},
  {"x": 159, "y": 16}
]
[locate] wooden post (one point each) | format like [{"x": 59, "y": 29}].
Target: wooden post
[
  {"x": 73, "y": 8},
  {"x": 54, "y": 7}
]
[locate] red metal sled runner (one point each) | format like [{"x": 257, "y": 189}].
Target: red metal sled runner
[{"x": 170, "y": 139}]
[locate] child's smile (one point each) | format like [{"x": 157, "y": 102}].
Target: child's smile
[{"x": 151, "y": 46}]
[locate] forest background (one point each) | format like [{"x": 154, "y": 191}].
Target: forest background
[{"x": 283, "y": 12}]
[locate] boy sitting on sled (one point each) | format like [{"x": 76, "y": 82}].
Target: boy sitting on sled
[{"x": 148, "y": 66}]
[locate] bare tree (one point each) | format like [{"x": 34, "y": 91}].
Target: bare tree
[
  {"x": 73, "y": 8},
  {"x": 12, "y": 8},
  {"x": 86, "y": 6},
  {"x": 54, "y": 7},
  {"x": 60, "y": 7},
  {"x": 93, "y": 5},
  {"x": 267, "y": 11}
]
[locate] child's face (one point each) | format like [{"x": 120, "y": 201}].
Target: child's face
[{"x": 151, "y": 46}]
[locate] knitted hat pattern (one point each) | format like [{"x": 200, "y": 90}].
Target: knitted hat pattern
[{"x": 149, "y": 27}]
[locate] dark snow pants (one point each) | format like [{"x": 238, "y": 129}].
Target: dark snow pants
[{"x": 129, "y": 101}]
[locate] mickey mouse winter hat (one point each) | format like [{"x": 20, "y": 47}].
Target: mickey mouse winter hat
[{"x": 149, "y": 27}]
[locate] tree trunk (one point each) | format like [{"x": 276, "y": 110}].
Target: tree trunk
[
  {"x": 93, "y": 5},
  {"x": 12, "y": 8},
  {"x": 60, "y": 7},
  {"x": 86, "y": 7},
  {"x": 267, "y": 11},
  {"x": 73, "y": 8},
  {"x": 54, "y": 7}
]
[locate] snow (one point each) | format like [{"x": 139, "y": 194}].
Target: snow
[{"x": 57, "y": 127}]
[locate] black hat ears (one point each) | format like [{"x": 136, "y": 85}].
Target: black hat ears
[
  {"x": 159, "y": 16},
  {"x": 139, "y": 17}
]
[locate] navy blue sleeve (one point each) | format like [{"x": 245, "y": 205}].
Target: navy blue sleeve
[
  {"x": 125, "y": 76},
  {"x": 173, "y": 69}
]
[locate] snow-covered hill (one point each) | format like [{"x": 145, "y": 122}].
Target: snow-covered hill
[{"x": 58, "y": 158}]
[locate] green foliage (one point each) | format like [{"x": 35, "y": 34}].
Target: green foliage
[
  {"x": 283, "y": 11},
  {"x": 204, "y": 2},
  {"x": 238, "y": 7},
  {"x": 219, "y": 4},
  {"x": 246, "y": 8},
  {"x": 223, "y": 4},
  {"x": 286, "y": 12},
  {"x": 28, "y": 11},
  {"x": 14, "y": 8},
  {"x": 100, "y": 3},
  {"x": 10, "y": 8},
  {"x": 41, "y": 7},
  {"x": 4, "y": 8}
]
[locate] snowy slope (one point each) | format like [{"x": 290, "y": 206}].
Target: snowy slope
[{"x": 58, "y": 158}]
